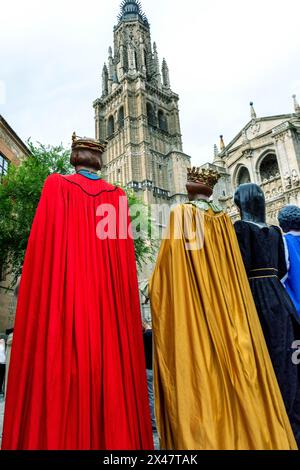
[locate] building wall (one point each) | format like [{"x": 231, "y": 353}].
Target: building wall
[
  {"x": 145, "y": 151},
  {"x": 14, "y": 150},
  {"x": 254, "y": 150}
]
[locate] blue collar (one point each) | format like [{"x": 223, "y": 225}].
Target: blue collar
[{"x": 89, "y": 174}]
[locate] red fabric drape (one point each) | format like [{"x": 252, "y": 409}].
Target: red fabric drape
[{"x": 77, "y": 375}]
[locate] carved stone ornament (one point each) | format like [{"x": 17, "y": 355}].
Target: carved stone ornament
[{"x": 254, "y": 128}]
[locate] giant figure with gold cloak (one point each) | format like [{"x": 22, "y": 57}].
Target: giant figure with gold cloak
[{"x": 215, "y": 387}]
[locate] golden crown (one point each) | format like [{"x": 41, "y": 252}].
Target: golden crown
[
  {"x": 86, "y": 143},
  {"x": 204, "y": 176}
]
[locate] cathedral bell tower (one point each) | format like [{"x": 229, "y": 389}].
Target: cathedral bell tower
[{"x": 138, "y": 114}]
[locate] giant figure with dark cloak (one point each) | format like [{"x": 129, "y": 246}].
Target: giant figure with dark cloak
[
  {"x": 215, "y": 387},
  {"x": 263, "y": 252},
  {"x": 77, "y": 377}
]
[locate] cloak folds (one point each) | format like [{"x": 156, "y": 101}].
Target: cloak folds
[
  {"x": 215, "y": 388},
  {"x": 263, "y": 253},
  {"x": 77, "y": 377}
]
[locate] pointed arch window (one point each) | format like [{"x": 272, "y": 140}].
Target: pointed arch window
[
  {"x": 110, "y": 127},
  {"x": 151, "y": 115},
  {"x": 269, "y": 167},
  {"x": 121, "y": 117},
  {"x": 243, "y": 176},
  {"x": 162, "y": 121}
]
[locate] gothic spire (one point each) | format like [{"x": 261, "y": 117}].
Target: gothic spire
[
  {"x": 222, "y": 143},
  {"x": 253, "y": 113},
  {"x": 112, "y": 73},
  {"x": 296, "y": 104},
  {"x": 110, "y": 66},
  {"x": 216, "y": 152},
  {"x": 132, "y": 10},
  {"x": 165, "y": 74},
  {"x": 104, "y": 80},
  {"x": 156, "y": 65},
  {"x": 217, "y": 156}
]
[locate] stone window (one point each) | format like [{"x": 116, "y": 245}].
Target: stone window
[
  {"x": 151, "y": 115},
  {"x": 121, "y": 117},
  {"x": 162, "y": 121},
  {"x": 136, "y": 60},
  {"x": 111, "y": 127},
  {"x": 3, "y": 166},
  {"x": 243, "y": 176},
  {"x": 269, "y": 167}
]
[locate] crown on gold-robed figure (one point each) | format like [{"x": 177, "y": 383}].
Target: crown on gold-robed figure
[
  {"x": 87, "y": 143},
  {"x": 203, "y": 176}
]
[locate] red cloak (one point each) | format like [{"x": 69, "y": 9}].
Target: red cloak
[{"x": 77, "y": 375}]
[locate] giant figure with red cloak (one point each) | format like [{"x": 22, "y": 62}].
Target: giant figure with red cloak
[{"x": 77, "y": 376}]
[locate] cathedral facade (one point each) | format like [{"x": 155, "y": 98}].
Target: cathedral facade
[
  {"x": 266, "y": 152},
  {"x": 138, "y": 115}
]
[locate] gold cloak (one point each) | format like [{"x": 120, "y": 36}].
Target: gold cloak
[{"x": 214, "y": 383}]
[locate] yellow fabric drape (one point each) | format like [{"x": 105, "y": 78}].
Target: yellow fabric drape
[{"x": 214, "y": 383}]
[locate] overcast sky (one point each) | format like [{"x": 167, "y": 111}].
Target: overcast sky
[{"x": 221, "y": 55}]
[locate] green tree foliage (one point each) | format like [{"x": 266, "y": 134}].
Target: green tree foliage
[
  {"x": 20, "y": 192},
  {"x": 146, "y": 242}
]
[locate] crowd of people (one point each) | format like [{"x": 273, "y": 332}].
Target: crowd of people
[{"x": 216, "y": 369}]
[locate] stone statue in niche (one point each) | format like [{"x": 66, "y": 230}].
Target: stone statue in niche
[
  {"x": 287, "y": 180},
  {"x": 295, "y": 178}
]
